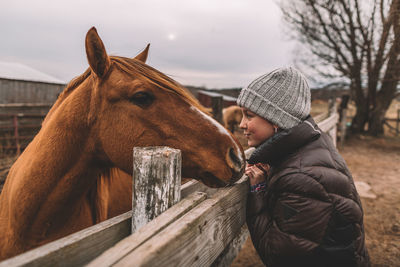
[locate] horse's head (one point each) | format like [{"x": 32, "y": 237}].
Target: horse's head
[{"x": 133, "y": 104}]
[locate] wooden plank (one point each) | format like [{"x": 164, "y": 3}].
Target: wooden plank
[
  {"x": 229, "y": 254},
  {"x": 83, "y": 246},
  {"x": 332, "y": 133},
  {"x": 329, "y": 123},
  {"x": 22, "y": 115},
  {"x": 392, "y": 119},
  {"x": 127, "y": 245},
  {"x": 200, "y": 236},
  {"x": 156, "y": 182},
  {"x": 321, "y": 117},
  {"x": 343, "y": 126},
  {"x": 76, "y": 249},
  {"x": 25, "y": 105},
  {"x": 196, "y": 186},
  {"x": 329, "y": 126}
]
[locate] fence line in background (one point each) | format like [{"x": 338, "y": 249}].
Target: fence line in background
[
  {"x": 396, "y": 129},
  {"x": 18, "y": 130},
  {"x": 327, "y": 122}
]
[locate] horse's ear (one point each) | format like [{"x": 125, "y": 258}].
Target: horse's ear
[
  {"x": 96, "y": 53},
  {"x": 143, "y": 55}
]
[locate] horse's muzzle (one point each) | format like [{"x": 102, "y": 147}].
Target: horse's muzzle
[{"x": 236, "y": 163}]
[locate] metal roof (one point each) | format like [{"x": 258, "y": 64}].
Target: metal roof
[
  {"x": 224, "y": 97},
  {"x": 17, "y": 71}
]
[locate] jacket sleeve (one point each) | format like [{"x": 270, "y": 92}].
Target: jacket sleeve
[{"x": 290, "y": 228}]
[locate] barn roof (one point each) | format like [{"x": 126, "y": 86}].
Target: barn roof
[
  {"x": 17, "y": 71},
  {"x": 224, "y": 97}
]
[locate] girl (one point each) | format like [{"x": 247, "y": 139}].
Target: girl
[{"x": 303, "y": 208}]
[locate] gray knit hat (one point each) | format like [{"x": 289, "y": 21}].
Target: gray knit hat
[{"x": 281, "y": 96}]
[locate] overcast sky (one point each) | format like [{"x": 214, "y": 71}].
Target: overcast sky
[{"x": 212, "y": 43}]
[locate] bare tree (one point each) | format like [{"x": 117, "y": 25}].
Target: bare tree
[{"x": 354, "y": 39}]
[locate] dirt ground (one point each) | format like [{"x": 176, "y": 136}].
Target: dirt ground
[{"x": 375, "y": 161}]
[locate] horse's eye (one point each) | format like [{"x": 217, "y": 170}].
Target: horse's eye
[{"x": 142, "y": 99}]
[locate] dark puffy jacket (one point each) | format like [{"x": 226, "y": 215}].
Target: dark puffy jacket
[{"x": 310, "y": 214}]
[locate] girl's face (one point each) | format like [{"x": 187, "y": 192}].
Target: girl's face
[{"x": 256, "y": 129}]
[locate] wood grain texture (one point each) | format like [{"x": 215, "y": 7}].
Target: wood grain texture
[
  {"x": 151, "y": 229},
  {"x": 156, "y": 182},
  {"x": 321, "y": 117},
  {"x": 230, "y": 252},
  {"x": 200, "y": 236},
  {"x": 196, "y": 186},
  {"x": 329, "y": 123},
  {"x": 76, "y": 249}
]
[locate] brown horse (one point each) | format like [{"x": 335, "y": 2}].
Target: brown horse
[
  {"x": 69, "y": 177},
  {"x": 232, "y": 116}
]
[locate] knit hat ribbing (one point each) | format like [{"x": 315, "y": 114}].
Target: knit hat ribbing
[{"x": 281, "y": 96}]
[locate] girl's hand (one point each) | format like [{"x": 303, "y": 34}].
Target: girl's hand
[{"x": 257, "y": 173}]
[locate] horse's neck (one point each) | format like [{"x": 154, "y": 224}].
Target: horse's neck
[{"x": 47, "y": 184}]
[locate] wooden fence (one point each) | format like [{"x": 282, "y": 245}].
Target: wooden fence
[
  {"x": 205, "y": 228},
  {"x": 19, "y": 123},
  {"x": 17, "y": 131},
  {"x": 396, "y": 121},
  {"x": 328, "y": 121}
]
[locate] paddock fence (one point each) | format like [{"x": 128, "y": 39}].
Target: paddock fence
[
  {"x": 19, "y": 123},
  {"x": 187, "y": 225}
]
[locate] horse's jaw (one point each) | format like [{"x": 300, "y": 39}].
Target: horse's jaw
[{"x": 210, "y": 180}]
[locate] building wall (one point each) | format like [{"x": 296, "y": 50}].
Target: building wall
[{"x": 13, "y": 91}]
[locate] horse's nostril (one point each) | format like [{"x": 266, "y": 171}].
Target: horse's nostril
[{"x": 235, "y": 159}]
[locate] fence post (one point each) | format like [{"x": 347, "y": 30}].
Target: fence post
[
  {"x": 343, "y": 118},
  {"x": 16, "y": 134},
  {"x": 332, "y": 110},
  {"x": 217, "y": 106},
  {"x": 156, "y": 182},
  {"x": 397, "y": 122},
  {"x": 343, "y": 126}
]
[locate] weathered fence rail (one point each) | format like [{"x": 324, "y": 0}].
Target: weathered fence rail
[
  {"x": 206, "y": 227},
  {"x": 328, "y": 121},
  {"x": 83, "y": 246}
]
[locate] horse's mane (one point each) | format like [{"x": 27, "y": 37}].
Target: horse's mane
[
  {"x": 74, "y": 83},
  {"x": 134, "y": 67}
]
